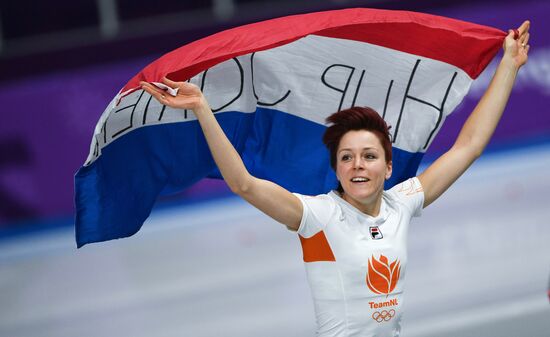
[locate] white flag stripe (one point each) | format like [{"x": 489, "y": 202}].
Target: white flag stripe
[{"x": 304, "y": 80}]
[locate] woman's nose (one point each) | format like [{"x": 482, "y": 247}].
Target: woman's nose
[{"x": 358, "y": 163}]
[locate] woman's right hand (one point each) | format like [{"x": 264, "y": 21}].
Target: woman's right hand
[
  {"x": 516, "y": 48},
  {"x": 189, "y": 96}
]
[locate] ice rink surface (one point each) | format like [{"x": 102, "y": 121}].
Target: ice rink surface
[{"x": 479, "y": 265}]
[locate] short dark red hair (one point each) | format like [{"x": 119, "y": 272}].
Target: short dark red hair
[{"x": 356, "y": 118}]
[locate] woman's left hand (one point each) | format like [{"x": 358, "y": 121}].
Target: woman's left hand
[{"x": 517, "y": 49}]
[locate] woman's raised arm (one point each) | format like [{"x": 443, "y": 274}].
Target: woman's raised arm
[
  {"x": 481, "y": 123},
  {"x": 265, "y": 195}
]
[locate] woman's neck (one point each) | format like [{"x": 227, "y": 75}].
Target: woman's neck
[{"x": 369, "y": 207}]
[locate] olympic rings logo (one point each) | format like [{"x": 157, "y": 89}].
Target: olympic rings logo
[{"x": 383, "y": 315}]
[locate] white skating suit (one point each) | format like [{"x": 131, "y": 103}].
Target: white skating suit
[{"x": 356, "y": 263}]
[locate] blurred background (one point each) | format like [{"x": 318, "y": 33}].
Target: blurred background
[{"x": 206, "y": 263}]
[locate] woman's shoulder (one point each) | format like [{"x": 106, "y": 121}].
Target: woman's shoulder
[
  {"x": 408, "y": 193},
  {"x": 407, "y": 187},
  {"x": 316, "y": 201},
  {"x": 318, "y": 210}
]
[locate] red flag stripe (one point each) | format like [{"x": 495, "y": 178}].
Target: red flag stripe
[{"x": 468, "y": 46}]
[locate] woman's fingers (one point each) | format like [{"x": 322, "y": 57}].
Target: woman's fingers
[
  {"x": 150, "y": 87},
  {"x": 517, "y": 39},
  {"x": 157, "y": 93},
  {"x": 153, "y": 89},
  {"x": 186, "y": 88},
  {"x": 186, "y": 95},
  {"x": 519, "y": 33},
  {"x": 525, "y": 40},
  {"x": 169, "y": 82},
  {"x": 524, "y": 28}
]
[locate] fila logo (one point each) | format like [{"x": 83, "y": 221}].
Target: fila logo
[{"x": 375, "y": 233}]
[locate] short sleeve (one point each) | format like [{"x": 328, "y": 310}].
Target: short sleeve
[
  {"x": 317, "y": 213},
  {"x": 411, "y": 194}
]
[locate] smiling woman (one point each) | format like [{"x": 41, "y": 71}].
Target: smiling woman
[
  {"x": 362, "y": 170},
  {"x": 360, "y": 154},
  {"x": 363, "y": 227}
]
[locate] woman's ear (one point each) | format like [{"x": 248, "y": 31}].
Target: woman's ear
[{"x": 389, "y": 167}]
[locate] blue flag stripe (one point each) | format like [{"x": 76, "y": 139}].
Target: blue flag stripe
[{"x": 133, "y": 170}]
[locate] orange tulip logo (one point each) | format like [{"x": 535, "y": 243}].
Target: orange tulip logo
[{"x": 382, "y": 276}]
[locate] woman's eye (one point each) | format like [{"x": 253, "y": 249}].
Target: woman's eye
[
  {"x": 346, "y": 157},
  {"x": 370, "y": 156}
]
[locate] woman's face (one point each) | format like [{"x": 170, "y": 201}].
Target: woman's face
[{"x": 361, "y": 167}]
